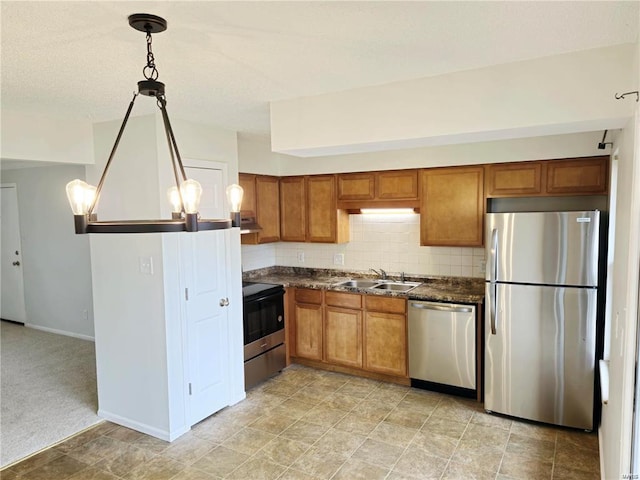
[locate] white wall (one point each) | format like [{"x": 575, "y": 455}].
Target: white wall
[
  {"x": 32, "y": 137},
  {"x": 560, "y": 94},
  {"x": 131, "y": 190},
  {"x": 131, "y": 348},
  {"x": 390, "y": 242},
  {"x": 255, "y": 155},
  {"x": 57, "y": 271},
  {"x": 522, "y": 149},
  {"x": 616, "y": 427}
]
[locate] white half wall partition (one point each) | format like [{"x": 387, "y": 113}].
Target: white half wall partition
[{"x": 561, "y": 94}]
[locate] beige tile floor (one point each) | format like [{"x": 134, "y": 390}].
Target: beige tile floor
[{"x": 310, "y": 424}]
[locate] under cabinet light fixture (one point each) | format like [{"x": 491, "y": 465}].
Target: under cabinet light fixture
[
  {"x": 387, "y": 211},
  {"x": 184, "y": 196}
]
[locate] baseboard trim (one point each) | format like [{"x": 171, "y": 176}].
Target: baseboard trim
[
  {"x": 12, "y": 321},
  {"x": 142, "y": 427},
  {"x": 60, "y": 332}
]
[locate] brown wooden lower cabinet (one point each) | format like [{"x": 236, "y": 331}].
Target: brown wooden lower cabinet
[
  {"x": 343, "y": 336},
  {"x": 385, "y": 343},
  {"x": 308, "y": 331},
  {"x": 352, "y": 333}
]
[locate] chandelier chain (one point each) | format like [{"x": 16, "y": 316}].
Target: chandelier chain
[{"x": 150, "y": 71}]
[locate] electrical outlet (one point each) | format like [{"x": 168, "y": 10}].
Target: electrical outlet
[
  {"x": 146, "y": 265},
  {"x": 338, "y": 259},
  {"x": 85, "y": 315},
  {"x": 300, "y": 257},
  {"x": 483, "y": 266}
]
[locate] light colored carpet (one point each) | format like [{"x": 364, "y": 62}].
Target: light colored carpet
[{"x": 47, "y": 389}]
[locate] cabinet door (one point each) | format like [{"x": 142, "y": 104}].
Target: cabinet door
[
  {"x": 356, "y": 186},
  {"x": 324, "y": 222},
  {"x": 293, "y": 213},
  {"x": 578, "y": 177},
  {"x": 385, "y": 343},
  {"x": 268, "y": 208},
  {"x": 308, "y": 331},
  {"x": 452, "y": 207},
  {"x": 343, "y": 336},
  {"x": 397, "y": 185},
  {"x": 514, "y": 179},
  {"x": 248, "y": 183}
]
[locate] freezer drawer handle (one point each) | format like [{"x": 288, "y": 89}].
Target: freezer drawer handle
[{"x": 443, "y": 307}]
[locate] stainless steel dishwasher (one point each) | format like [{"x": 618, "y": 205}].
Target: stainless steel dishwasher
[{"x": 442, "y": 347}]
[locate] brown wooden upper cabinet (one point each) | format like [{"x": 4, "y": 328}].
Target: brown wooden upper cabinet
[
  {"x": 452, "y": 206},
  {"x": 248, "y": 183},
  {"x": 572, "y": 176},
  {"x": 513, "y": 179},
  {"x": 293, "y": 209},
  {"x": 309, "y": 212},
  {"x": 387, "y": 189},
  {"x": 578, "y": 176},
  {"x": 261, "y": 199}
]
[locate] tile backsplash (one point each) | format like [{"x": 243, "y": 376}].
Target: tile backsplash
[{"x": 390, "y": 242}]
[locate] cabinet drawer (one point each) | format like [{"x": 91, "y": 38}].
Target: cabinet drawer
[
  {"x": 306, "y": 295},
  {"x": 345, "y": 300},
  {"x": 385, "y": 304}
]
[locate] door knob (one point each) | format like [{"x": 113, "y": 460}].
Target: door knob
[
  {"x": 16, "y": 263},
  {"x": 224, "y": 302}
]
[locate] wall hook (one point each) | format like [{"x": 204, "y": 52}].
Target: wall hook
[{"x": 622, "y": 95}]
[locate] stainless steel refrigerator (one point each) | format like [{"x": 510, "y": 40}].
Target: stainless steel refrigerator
[{"x": 540, "y": 321}]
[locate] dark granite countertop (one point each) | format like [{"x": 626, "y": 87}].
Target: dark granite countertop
[{"x": 439, "y": 289}]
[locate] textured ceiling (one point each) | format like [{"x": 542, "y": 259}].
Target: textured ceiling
[{"x": 223, "y": 62}]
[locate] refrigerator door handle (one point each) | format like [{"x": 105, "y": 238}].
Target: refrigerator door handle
[
  {"x": 493, "y": 271},
  {"x": 493, "y": 256},
  {"x": 493, "y": 306}
]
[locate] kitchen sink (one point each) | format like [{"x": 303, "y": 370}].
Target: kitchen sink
[
  {"x": 358, "y": 283},
  {"x": 388, "y": 285},
  {"x": 396, "y": 286}
]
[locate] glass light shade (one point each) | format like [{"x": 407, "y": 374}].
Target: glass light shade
[
  {"x": 174, "y": 199},
  {"x": 80, "y": 195},
  {"x": 234, "y": 195},
  {"x": 191, "y": 191}
]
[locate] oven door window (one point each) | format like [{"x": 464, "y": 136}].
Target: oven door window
[{"x": 263, "y": 317}]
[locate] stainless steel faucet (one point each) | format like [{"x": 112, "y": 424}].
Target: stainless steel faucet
[{"x": 382, "y": 274}]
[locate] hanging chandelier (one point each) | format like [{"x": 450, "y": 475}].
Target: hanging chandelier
[{"x": 184, "y": 196}]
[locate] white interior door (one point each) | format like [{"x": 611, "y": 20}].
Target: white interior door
[
  {"x": 207, "y": 322},
  {"x": 12, "y": 300},
  {"x": 213, "y": 194}
]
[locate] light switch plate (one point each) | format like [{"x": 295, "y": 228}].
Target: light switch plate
[
  {"x": 300, "y": 257},
  {"x": 338, "y": 259}
]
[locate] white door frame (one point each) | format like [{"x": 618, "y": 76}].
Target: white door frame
[
  {"x": 10, "y": 271},
  {"x": 211, "y": 165}
]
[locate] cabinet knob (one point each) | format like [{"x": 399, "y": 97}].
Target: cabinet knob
[
  {"x": 224, "y": 302},
  {"x": 16, "y": 263}
]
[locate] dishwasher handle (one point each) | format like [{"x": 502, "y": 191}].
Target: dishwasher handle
[{"x": 442, "y": 307}]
